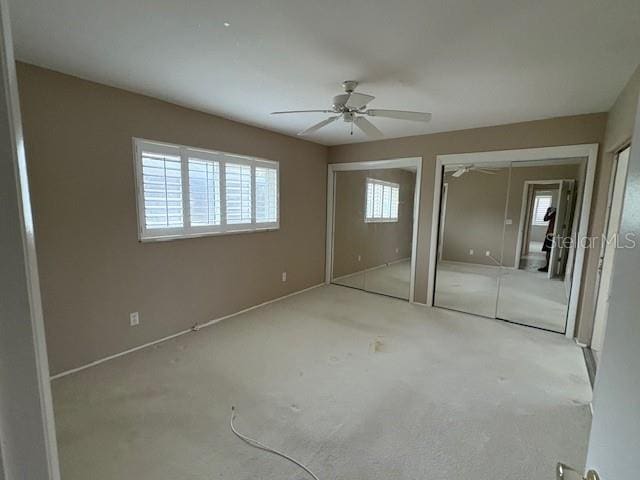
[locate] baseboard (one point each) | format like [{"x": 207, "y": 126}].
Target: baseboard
[
  {"x": 382, "y": 265},
  {"x": 400, "y": 260},
  {"x": 178, "y": 334},
  {"x": 455, "y": 262}
]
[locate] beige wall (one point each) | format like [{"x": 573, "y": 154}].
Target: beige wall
[
  {"x": 474, "y": 217},
  {"x": 476, "y": 212},
  {"x": 619, "y": 130},
  {"x": 375, "y": 243},
  {"x": 542, "y": 133},
  {"x": 622, "y": 115},
  {"x": 93, "y": 269}
]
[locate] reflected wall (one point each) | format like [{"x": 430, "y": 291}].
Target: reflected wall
[{"x": 373, "y": 230}]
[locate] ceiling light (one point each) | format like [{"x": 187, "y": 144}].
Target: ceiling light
[{"x": 226, "y": 24}]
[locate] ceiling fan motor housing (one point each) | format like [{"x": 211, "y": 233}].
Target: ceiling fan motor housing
[
  {"x": 348, "y": 116},
  {"x": 339, "y": 101},
  {"x": 349, "y": 85}
]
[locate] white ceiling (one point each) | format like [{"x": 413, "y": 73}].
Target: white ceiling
[{"x": 470, "y": 62}]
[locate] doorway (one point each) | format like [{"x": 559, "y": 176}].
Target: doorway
[
  {"x": 372, "y": 226},
  {"x": 539, "y": 199}
]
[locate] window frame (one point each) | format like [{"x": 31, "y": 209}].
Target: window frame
[
  {"x": 187, "y": 230},
  {"x": 370, "y": 180}
]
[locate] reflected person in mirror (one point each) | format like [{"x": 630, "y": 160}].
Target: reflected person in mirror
[{"x": 550, "y": 217}]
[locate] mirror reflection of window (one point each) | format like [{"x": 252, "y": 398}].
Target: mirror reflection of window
[
  {"x": 542, "y": 203},
  {"x": 382, "y": 201}
]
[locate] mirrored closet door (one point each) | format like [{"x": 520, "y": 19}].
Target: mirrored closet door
[
  {"x": 540, "y": 242},
  {"x": 373, "y": 230},
  {"x": 507, "y": 240},
  {"x": 471, "y": 230}
]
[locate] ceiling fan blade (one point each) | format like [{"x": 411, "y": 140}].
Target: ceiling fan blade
[
  {"x": 358, "y": 100},
  {"x": 400, "y": 115},
  {"x": 319, "y": 125},
  {"x": 368, "y": 128},
  {"x": 488, "y": 172},
  {"x": 303, "y": 111}
]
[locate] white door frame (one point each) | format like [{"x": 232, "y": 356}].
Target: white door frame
[
  {"x": 373, "y": 165},
  {"x": 28, "y": 447},
  {"x": 588, "y": 151},
  {"x": 524, "y": 213}
]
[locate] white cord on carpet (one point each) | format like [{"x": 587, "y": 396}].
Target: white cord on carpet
[{"x": 257, "y": 444}]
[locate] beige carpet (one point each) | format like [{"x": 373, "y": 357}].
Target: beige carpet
[
  {"x": 525, "y": 297},
  {"x": 358, "y": 386}
]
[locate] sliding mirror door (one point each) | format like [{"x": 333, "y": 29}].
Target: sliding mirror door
[
  {"x": 471, "y": 230},
  {"x": 373, "y": 230},
  {"x": 540, "y": 241}
]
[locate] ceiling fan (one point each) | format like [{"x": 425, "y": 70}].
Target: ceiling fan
[
  {"x": 472, "y": 168},
  {"x": 351, "y": 107}
]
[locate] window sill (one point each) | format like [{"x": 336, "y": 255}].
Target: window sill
[{"x": 168, "y": 238}]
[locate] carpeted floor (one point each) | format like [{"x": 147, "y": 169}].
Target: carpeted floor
[
  {"x": 525, "y": 297},
  {"x": 358, "y": 386}
]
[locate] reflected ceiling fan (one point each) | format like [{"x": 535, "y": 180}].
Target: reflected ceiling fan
[
  {"x": 471, "y": 168},
  {"x": 351, "y": 107}
]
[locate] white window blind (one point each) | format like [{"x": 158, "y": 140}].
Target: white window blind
[
  {"x": 162, "y": 188},
  {"x": 382, "y": 201},
  {"x": 238, "y": 184},
  {"x": 540, "y": 206},
  {"x": 266, "y": 195},
  {"x": 204, "y": 192},
  {"x": 183, "y": 192}
]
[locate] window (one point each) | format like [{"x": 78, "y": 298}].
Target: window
[
  {"x": 238, "y": 181},
  {"x": 266, "y": 195},
  {"x": 382, "y": 201},
  {"x": 184, "y": 192},
  {"x": 540, "y": 206},
  {"x": 204, "y": 192}
]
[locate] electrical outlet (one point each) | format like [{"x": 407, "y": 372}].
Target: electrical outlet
[
  {"x": 359, "y": 258},
  {"x": 397, "y": 250},
  {"x": 488, "y": 253},
  {"x": 284, "y": 276},
  {"x": 134, "y": 319},
  {"x": 471, "y": 251}
]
